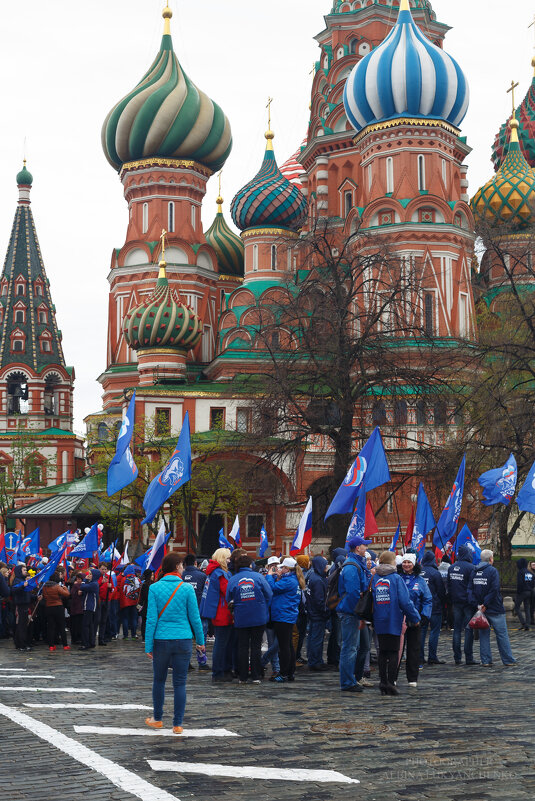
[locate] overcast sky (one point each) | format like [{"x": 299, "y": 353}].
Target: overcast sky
[{"x": 65, "y": 64}]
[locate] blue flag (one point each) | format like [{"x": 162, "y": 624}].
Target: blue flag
[
  {"x": 223, "y": 542},
  {"x": 357, "y": 525},
  {"x": 107, "y": 556},
  {"x": 423, "y": 524},
  {"x": 465, "y": 537},
  {"x": 176, "y": 472},
  {"x": 36, "y": 581},
  {"x": 264, "y": 543},
  {"x": 369, "y": 470},
  {"x": 449, "y": 518},
  {"x": 122, "y": 470},
  {"x": 30, "y": 545},
  {"x": 88, "y": 546},
  {"x": 14, "y": 553},
  {"x": 395, "y": 539},
  {"x": 526, "y": 496},
  {"x": 59, "y": 542},
  {"x": 499, "y": 485}
]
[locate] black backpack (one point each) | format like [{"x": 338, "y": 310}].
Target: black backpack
[{"x": 332, "y": 599}]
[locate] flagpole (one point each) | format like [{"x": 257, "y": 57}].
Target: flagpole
[
  {"x": 115, "y": 537},
  {"x": 399, "y": 523}
]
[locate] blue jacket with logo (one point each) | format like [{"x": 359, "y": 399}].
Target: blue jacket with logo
[
  {"x": 90, "y": 591},
  {"x": 484, "y": 588},
  {"x": 351, "y": 584},
  {"x": 391, "y": 601},
  {"x": 431, "y": 574},
  {"x": 316, "y": 591},
  {"x": 459, "y": 576},
  {"x": 210, "y": 599},
  {"x": 251, "y": 595},
  {"x": 419, "y": 593},
  {"x": 525, "y": 580},
  {"x": 286, "y": 598},
  {"x": 192, "y": 575}
]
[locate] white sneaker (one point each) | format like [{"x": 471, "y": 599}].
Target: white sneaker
[
  {"x": 364, "y": 682},
  {"x": 413, "y": 684}
]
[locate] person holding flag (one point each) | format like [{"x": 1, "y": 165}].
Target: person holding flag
[
  {"x": 122, "y": 470},
  {"x": 352, "y": 583},
  {"x": 21, "y": 594}
]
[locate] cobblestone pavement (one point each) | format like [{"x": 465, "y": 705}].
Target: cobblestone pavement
[{"x": 466, "y": 733}]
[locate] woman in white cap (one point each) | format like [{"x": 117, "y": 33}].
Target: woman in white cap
[
  {"x": 286, "y": 586},
  {"x": 422, "y": 599}
]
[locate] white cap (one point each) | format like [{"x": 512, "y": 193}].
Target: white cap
[
  {"x": 273, "y": 560},
  {"x": 44, "y": 560},
  {"x": 368, "y": 555},
  {"x": 399, "y": 559},
  {"x": 289, "y": 562},
  {"x": 409, "y": 557}
]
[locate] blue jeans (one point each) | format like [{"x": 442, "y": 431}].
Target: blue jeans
[
  {"x": 349, "y": 626},
  {"x": 272, "y": 653},
  {"x": 166, "y": 654},
  {"x": 461, "y": 617},
  {"x": 499, "y": 625},
  {"x": 129, "y": 616},
  {"x": 222, "y": 653},
  {"x": 434, "y": 626},
  {"x": 316, "y": 633},
  {"x": 362, "y": 652}
]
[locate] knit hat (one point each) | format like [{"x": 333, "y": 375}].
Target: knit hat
[
  {"x": 303, "y": 561},
  {"x": 409, "y": 557}
]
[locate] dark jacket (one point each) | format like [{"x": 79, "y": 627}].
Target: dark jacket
[
  {"x": 484, "y": 588},
  {"x": 525, "y": 580},
  {"x": 4, "y": 587},
  {"x": 90, "y": 590},
  {"x": 21, "y": 596},
  {"x": 196, "y": 578},
  {"x": 431, "y": 574},
  {"x": 351, "y": 584},
  {"x": 316, "y": 591},
  {"x": 251, "y": 595},
  {"x": 459, "y": 576},
  {"x": 391, "y": 601}
]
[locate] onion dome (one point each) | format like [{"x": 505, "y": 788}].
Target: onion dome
[
  {"x": 406, "y": 76},
  {"x": 227, "y": 245},
  {"x": 270, "y": 198},
  {"x": 292, "y": 169},
  {"x": 162, "y": 321},
  {"x": 509, "y": 197},
  {"x": 24, "y": 177},
  {"x": 525, "y": 114},
  {"x": 167, "y": 116}
]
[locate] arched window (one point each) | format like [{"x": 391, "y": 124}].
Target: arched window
[
  {"x": 17, "y": 394},
  {"x": 429, "y": 314},
  {"x": 400, "y": 413},
  {"x": 102, "y": 432},
  {"x": 348, "y": 201},
  {"x": 18, "y": 345},
  {"x": 171, "y": 217},
  {"x": 19, "y": 316},
  {"x": 51, "y": 395},
  {"x": 421, "y": 413},
  {"x": 353, "y": 45},
  {"x": 379, "y": 413},
  {"x": 440, "y": 413},
  {"x": 273, "y": 257},
  {"x": 43, "y": 317},
  {"x": 255, "y": 257},
  {"x": 390, "y": 175},
  {"x": 193, "y": 217},
  {"x": 421, "y": 173},
  {"x": 21, "y": 289},
  {"x": 145, "y": 220}
]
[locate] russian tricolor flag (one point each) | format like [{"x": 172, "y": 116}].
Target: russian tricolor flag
[{"x": 303, "y": 535}]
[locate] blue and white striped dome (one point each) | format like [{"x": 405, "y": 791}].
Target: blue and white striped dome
[{"x": 406, "y": 75}]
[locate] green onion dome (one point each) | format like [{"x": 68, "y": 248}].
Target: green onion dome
[
  {"x": 525, "y": 114},
  {"x": 227, "y": 245},
  {"x": 24, "y": 177},
  {"x": 167, "y": 116},
  {"x": 270, "y": 198},
  {"x": 162, "y": 320},
  {"x": 509, "y": 197}
]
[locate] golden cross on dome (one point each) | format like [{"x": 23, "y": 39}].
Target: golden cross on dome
[
  {"x": 270, "y": 101},
  {"x": 512, "y": 90},
  {"x": 164, "y": 234}
]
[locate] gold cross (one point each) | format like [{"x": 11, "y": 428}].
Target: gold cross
[
  {"x": 219, "y": 176},
  {"x": 164, "y": 234},
  {"x": 512, "y": 90},
  {"x": 270, "y": 101},
  {"x": 313, "y": 70}
]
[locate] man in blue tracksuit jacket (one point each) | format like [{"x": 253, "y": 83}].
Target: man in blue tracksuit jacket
[
  {"x": 459, "y": 577},
  {"x": 431, "y": 574},
  {"x": 351, "y": 584},
  {"x": 316, "y": 594},
  {"x": 250, "y": 595},
  {"x": 525, "y": 582},
  {"x": 484, "y": 592}
]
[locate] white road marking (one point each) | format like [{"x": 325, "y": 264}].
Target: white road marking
[
  {"x": 31, "y": 676},
  {"x": 121, "y": 777},
  {"x": 148, "y": 732},
  {"x": 244, "y": 772},
  {"x": 46, "y": 690},
  {"x": 87, "y": 706},
  {"x": 15, "y": 670}
]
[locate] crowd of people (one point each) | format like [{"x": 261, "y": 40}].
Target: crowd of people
[{"x": 357, "y": 609}]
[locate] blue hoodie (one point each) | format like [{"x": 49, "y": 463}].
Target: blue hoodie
[
  {"x": 90, "y": 590},
  {"x": 192, "y": 575},
  {"x": 391, "y": 600},
  {"x": 21, "y": 596},
  {"x": 286, "y": 598},
  {"x": 525, "y": 580},
  {"x": 251, "y": 595},
  {"x": 484, "y": 588},
  {"x": 351, "y": 584},
  {"x": 459, "y": 576},
  {"x": 210, "y": 599},
  {"x": 316, "y": 591},
  {"x": 419, "y": 592},
  {"x": 431, "y": 574}
]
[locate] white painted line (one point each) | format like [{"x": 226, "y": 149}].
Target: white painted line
[
  {"x": 87, "y": 706},
  {"x": 148, "y": 732},
  {"x": 31, "y": 676},
  {"x": 15, "y": 670},
  {"x": 121, "y": 777},
  {"x": 243, "y": 772},
  {"x": 46, "y": 690}
]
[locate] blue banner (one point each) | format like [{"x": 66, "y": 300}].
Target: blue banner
[
  {"x": 447, "y": 523},
  {"x": 176, "y": 472},
  {"x": 499, "y": 485},
  {"x": 122, "y": 470}
]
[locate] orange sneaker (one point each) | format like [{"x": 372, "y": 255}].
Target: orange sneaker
[
  {"x": 154, "y": 724},
  {"x": 177, "y": 729}
]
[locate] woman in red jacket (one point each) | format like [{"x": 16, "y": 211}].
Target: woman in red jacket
[{"x": 214, "y": 606}]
